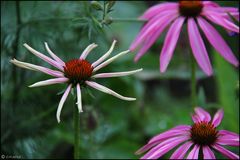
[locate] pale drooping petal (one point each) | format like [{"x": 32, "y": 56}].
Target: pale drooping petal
[
  {"x": 220, "y": 20},
  {"x": 43, "y": 57},
  {"x": 108, "y": 91},
  {"x": 181, "y": 151},
  {"x": 153, "y": 36},
  {"x": 88, "y": 50},
  {"x": 198, "y": 47},
  {"x": 156, "y": 9},
  {"x": 174, "y": 132},
  {"x": 207, "y": 153},
  {"x": 152, "y": 26},
  {"x": 202, "y": 114},
  {"x": 218, "y": 118},
  {"x": 101, "y": 59},
  {"x": 79, "y": 98},
  {"x": 37, "y": 68},
  {"x": 110, "y": 60},
  {"x": 225, "y": 152},
  {"x": 54, "y": 56},
  {"x": 164, "y": 147},
  {"x": 194, "y": 152},
  {"x": 170, "y": 43},
  {"x": 115, "y": 74},
  {"x": 50, "y": 82},
  {"x": 63, "y": 99},
  {"x": 217, "y": 41}
]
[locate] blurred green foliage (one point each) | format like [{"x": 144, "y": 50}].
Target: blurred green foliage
[{"x": 110, "y": 128}]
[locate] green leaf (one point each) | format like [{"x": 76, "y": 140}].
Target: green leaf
[{"x": 226, "y": 79}]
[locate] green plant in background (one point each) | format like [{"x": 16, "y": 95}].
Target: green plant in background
[{"x": 109, "y": 128}]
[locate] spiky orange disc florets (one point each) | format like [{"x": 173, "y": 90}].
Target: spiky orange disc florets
[
  {"x": 78, "y": 70},
  {"x": 203, "y": 133}
]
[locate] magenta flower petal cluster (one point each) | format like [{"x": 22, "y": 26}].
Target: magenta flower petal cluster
[
  {"x": 202, "y": 135},
  {"x": 195, "y": 14},
  {"x": 76, "y": 73}
]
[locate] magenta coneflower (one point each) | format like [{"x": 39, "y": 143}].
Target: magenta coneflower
[
  {"x": 194, "y": 13},
  {"x": 201, "y": 137},
  {"x": 76, "y": 73}
]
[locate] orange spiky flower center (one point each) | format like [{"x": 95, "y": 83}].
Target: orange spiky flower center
[
  {"x": 191, "y": 8},
  {"x": 78, "y": 71},
  {"x": 203, "y": 133}
]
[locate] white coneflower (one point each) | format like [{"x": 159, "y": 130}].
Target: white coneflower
[{"x": 76, "y": 73}]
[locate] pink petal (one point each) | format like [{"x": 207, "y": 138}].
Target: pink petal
[
  {"x": 170, "y": 43},
  {"x": 202, "y": 114},
  {"x": 196, "y": 118},
  {"x": 228, "y": 138},
  {"x": 152, "y": 26},
  {"x": 164, "y": 147},
  {"x": 153, "y": 37},
  {"x": 207, "y": 153},
  {"x": 217, "y": 41},
  {"x": 156, "y": 9},
  {"x": 225, "y": 132},
  {"x": 50, "y": 82},
  {"x": 181, "y": 151},
  {"x": 178, "y": 130},
  {"x": 146, "y": 147},
  {"x": 194, "y": 153},
  {"x": 63, "y": 99},
  {"x": 218, "y": 118},
  {"x": 225, "y": 152},
  {"x": 198, "y": 47},
  {"x": 43, "y": 57},
  {"x": 220, "y": 20},
  {"x": 210, "y": 3}
]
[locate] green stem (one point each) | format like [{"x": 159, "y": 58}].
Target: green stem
[
  {"x": 193, "y": 82},
  {"x": 76, "y": 119}
]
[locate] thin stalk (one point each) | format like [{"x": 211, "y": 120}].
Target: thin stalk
[
  {"x": 76, "y": 118},
  {"x": 193, "y": 82}
]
